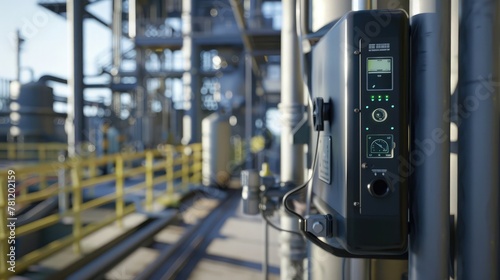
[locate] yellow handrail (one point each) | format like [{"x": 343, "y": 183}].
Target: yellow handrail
[
  {"x": 181, "y": 165},
  {"x": 24, "y": 151}
]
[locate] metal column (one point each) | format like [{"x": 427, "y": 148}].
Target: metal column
[
  {"x": 323, "y": 265},
  {"x": 19, "y": 42},
  {"x": 430, "y": 188},
  {"x": 292, "y": 247},
  {"x": 75, "y": 120},
  {"x": 479, "y": 138},
  {"x": 191, "y": 60},
  {"x": 249, "y": 94},
  {"x": 358, "y": 5},
  {"x": 117, "y": 52}
]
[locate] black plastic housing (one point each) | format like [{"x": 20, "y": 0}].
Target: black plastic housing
[{"x": 360, "y": 68}]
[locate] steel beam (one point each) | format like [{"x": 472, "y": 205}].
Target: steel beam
[{"x": 479, "y": 138}]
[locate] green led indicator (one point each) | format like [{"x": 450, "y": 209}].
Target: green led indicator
[
  {"x": 367, "y": 106},
  {"x": 367, "y": 128},
  {"x": 380, "y": 96},
  {"x": 387, "y": 96},
  {"x": 392, "y": 106},
  {"x": 379, "y": 99},
  {"x": 392, "y": 127}
]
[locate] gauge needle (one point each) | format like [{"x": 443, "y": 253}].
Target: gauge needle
[{"x": 382, "y": 147}]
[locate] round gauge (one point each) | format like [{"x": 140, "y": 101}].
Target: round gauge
[
  {"x": 379, "y": 146},
  {"x": 379, "y": 115}
]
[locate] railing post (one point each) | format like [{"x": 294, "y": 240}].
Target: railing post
[
  {"x": 42, "y": 157},
  {"x": 197, "y": 158},
  {"x": 149, "y": 180},
  {"x": 3, "y": 227},
  {"x": 61, "y": 179},
  {"x": 185, "y": 168},
  {"x": 42, "y": 153},
  {"x": 77, "y": 204},
  {"x": 169, "y": 169},
  {"x": 11, "y": 151},
  {"x": 119, "y": 190}
]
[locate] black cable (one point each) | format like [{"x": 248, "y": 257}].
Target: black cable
[
  {"x": 313, "y": 238},
  {"x": 299, "y": 188},
  {"x": 277, "y": 227}
]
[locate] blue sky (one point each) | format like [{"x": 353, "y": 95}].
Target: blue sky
[{"x": 45, "y": 49}]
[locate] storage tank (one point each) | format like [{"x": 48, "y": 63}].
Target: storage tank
[
  {"x": 216, "y": 133},
  {"x": 32, "y": 116}
]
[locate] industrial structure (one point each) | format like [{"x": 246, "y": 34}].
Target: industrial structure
[{"x": 364, "y": 134}]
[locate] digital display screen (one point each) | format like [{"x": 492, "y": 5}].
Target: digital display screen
[{"x": 379, "y": 65}]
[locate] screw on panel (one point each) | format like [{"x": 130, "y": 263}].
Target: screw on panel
[{"x": 318, "y": 227}]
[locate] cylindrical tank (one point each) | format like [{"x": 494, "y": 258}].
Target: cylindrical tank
[
  {"x": 32, "y": 117},
  {"x": 216, "y": 133}
]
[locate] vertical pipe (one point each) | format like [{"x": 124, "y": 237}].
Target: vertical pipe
[
  {"x": 358, "y": 5},
  {"x": 117, "y": 52},
  {"x": 191, "y": 61},
  {"x": 430, "y": 193},
  {"x": 323, "y": 265},
  {"x": 265, "y": 264},
  {"x": 249, "y": 92},
  {"x": 359, "y": 268},
  {"x": 479, "y": 138},
  {"x": 19, "y": 42},
  {"x": 292, "y": 155},
  {"x": 132, "y": 18},
  {"x": 74, "y": 122}
]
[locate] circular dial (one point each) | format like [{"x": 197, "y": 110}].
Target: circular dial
[
  {"x": 379, "y": 115},
  {"x": 379, "y": 146}
]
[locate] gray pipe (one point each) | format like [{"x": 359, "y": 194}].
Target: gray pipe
[
  {"x": 192, "y": 118},
  {"x": 117, "y": 52},
  {"x": 324, "y": 265},
  {"x": 479, "y": 138},
  {"x": 75, "y": 120},
  {"x": 292, "y": 155},
  {"x": 430, "y": 192},
  {"x": 358, "y": 5},
  {"x": 19, "y": 42}
]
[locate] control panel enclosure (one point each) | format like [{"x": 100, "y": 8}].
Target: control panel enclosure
[{"x": 360, "y": 68}]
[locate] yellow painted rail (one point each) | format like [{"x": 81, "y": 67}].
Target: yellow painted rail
[
  {"x": 31, "y": 151},
  {"x": 173, "y": 166}
]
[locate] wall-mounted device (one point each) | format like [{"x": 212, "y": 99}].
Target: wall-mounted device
[{"x": 360, "y": 87}]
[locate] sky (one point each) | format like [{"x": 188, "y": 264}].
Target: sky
[{"x": 45, "y": 49}]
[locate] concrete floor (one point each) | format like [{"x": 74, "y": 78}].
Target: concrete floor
[{"x": 238, "y": 251}]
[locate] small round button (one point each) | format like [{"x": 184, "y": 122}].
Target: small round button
[{"x": 379, "y": 115}]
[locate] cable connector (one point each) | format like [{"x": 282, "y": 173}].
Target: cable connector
[
  {"x": 321, "y": 113},
  {"x": 319, "y": 225}
]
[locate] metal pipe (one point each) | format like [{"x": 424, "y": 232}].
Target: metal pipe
[
  {"x": 19, "y": 42},
  {"x": 249, "y": 93},
  {"x": 479, "y": 138},
  {"x": 358, "y": 5},
  {"x": 117, "y": 52},
  {"x": 192, "y": 118},
  {"x": 430, "y": 193},
  {"x": 292, "y": 155},
  {"x": 323, "y": 265},
  {"x": 75, "y": 121},
  {"x": 265, "y": 264},
  {"x": 359, "y": 268}
]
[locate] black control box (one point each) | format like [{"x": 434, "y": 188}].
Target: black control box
[{"x": 360, "y": 70}]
